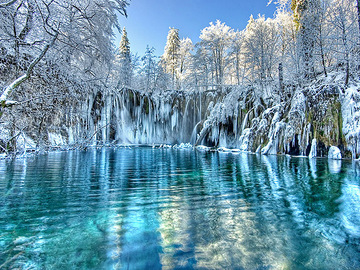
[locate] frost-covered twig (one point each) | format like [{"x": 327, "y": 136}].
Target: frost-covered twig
[
  {"x": 8, "y": 89},
  {"x": 13, "y": 102},
  {"x": 4, "y": 5}
]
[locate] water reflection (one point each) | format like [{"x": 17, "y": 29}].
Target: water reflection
[
  {"x": 155, "y": 208},
  {"x": 334, "y": 166}
]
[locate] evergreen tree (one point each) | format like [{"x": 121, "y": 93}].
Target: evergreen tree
[
  {"x": 124, "y": 59},
  {"x": 149, "y": 68},
  {"x": 124, "y": 44},
  {"x": 171, "y": 57}
]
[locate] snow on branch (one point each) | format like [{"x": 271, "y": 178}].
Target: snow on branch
[
  {"x": 8, "y": 89},
  {"x": 4, "y": 5}
]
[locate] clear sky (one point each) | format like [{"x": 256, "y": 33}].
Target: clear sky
[{"x": 148, "y": 21}]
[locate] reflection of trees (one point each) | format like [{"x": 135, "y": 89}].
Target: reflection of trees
[{"x": 152, "y": 208}]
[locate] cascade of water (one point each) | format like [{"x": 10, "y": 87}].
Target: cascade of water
[
  {"x": 117, "y": 117},
  {"x": 222, "y": 138},
  {"x": 140, "y": 118},
  {"x": 245, "y": 121},
  {"x": 194, "y": 133},
  {"x": 185, "y": 121},
  {"x": 150, "y": 120},
  {"x": 200, "y": 107},
  {"x": 313, "y": 153},
  {"x": 235, "y": 123},
  {"x": 129, "y": 116},
  {"x": 106, "y": 126}
]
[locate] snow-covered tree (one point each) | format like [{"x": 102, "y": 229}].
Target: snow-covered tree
[
  {"x": 185, "y": 60},
  {"x": 261, "y": 43},
  {"x": 288, "y": 54},
  {"x": 148, "y": 69},
  {"x": 171, "y": 56},
  {"x": 236, "y": 57},
  {"x": 54, "y": 56},
  {"x": 201, "y": 68},
  {"x": 344, "y": 32},
  {"x": 76, "y": 33},
  {"x": 124, "y": 61},
  {"x": 216, "y": 39}
]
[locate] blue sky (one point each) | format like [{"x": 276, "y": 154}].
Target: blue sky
[{"x": 148, "y": 21}]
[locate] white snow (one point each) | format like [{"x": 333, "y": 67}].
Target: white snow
[
  {"x": 55, "y": 139},
  {"x": 334, "y": 153},
  {"x": 229, "y": 150},
  {"x": 183, "y": 146},
  {"x": 202, "y": 148}
]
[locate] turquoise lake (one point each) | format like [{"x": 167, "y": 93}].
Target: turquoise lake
[{"x": 145, "y": 208}]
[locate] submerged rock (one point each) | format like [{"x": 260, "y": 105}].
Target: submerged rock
[{"x": 334, "y": 153}]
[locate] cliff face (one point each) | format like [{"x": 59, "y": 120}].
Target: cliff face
[{"x": 299, "y": 120}]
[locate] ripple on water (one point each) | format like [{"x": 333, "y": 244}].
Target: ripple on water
[{"x": 149, "y": 209}]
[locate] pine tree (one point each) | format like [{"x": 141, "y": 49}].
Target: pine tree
[
  {"x": 124, "y": 44},
  {"x": 124, "y": 59},
  {"x": 149, "y": 67},
  {"x": 171, "y": 57}
]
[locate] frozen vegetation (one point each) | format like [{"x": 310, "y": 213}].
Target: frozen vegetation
[{"x": 284, "y": 85}]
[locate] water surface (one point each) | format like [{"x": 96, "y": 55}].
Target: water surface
[{"x": 145, "y": 208}]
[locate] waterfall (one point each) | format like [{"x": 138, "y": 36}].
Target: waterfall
[
  {"x": 213, "y": 118},
  {"x": 313, "y": 149},
  {"x": 185, "y": 121},
  {"x": 245, "y": 121},
  {"x": 194, "y": 133}
]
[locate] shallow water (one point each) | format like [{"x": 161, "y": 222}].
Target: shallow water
[{"x": 145, "y": 208}]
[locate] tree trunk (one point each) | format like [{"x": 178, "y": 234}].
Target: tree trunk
[
  {"x": 281, "y": 81},
  {"x": 347, "y": 70},
  {"x": 323, "y": 58}
]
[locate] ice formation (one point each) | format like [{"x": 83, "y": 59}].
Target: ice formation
[
  {"x": 334, "y": 153},
  {"x": 307, "y": 123}
]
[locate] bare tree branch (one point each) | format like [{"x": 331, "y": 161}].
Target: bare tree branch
[
  {"x": 28, "y": 23},
  {"x": 4, "y": 5},
  {"x": 8, "y": 89}
]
